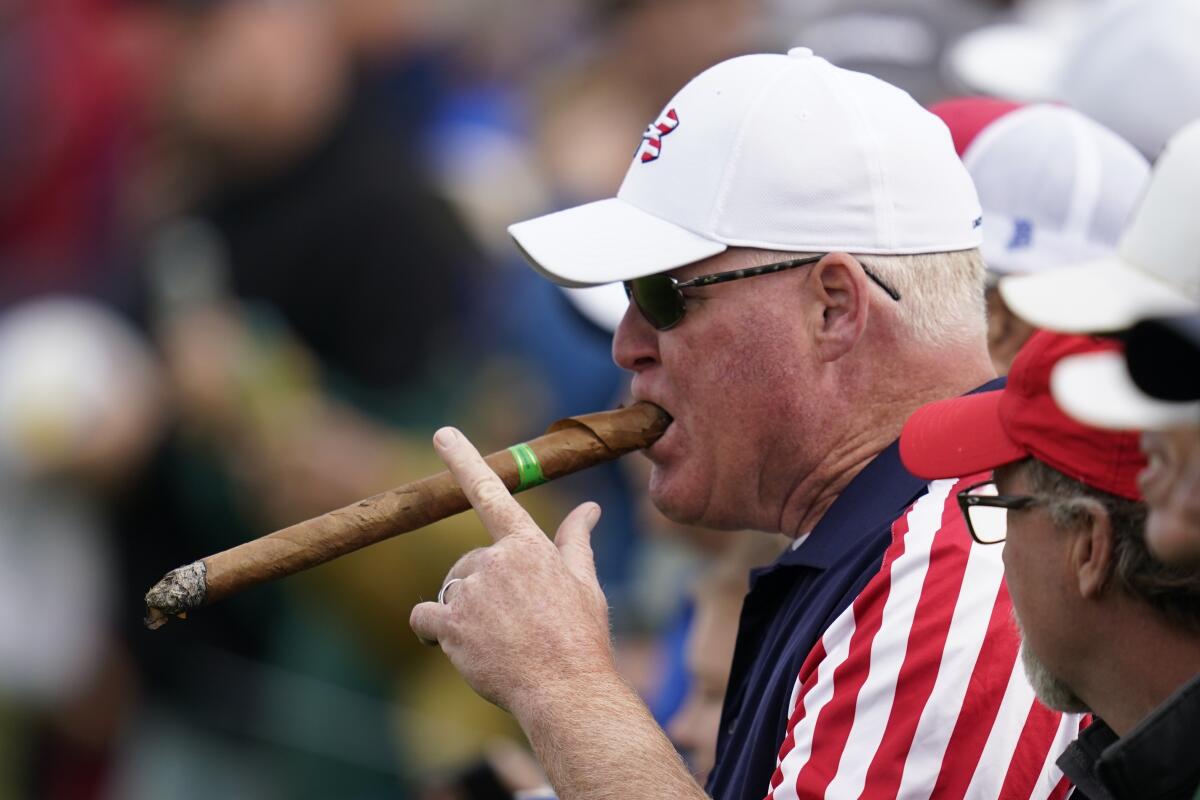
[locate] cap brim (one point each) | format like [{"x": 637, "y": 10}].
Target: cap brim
[
  {"x": 957, "y": 437},
  {"x": 1095, "y": 388},
  {"x": 1096, "y": 297},
  {"x": 606, "y": 241}
]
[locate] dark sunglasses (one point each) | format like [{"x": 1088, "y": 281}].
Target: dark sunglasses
[{"x": 661, "y": 301}]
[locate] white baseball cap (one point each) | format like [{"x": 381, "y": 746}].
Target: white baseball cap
[
  {"x": 1097, "y": 390},
  {"x": 1155, "y": 271},
  {"x": 770, "y": 151},
  {"x": 1056, "y": 187},
  {"x": 1154, "y": 385}
]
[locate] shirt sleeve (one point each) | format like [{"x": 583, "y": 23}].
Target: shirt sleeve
[{"x": 915, "y": 690}]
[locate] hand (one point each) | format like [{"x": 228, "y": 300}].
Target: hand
[{"x": 526, "y": 616}]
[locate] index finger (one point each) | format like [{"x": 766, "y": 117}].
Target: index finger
[{"x": 500, "y": 512}]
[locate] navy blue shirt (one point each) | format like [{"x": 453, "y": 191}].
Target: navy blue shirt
[{"x": 790, "y": 605}]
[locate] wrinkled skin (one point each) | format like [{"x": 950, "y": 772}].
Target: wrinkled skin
[{"x": 505, "y": 589}]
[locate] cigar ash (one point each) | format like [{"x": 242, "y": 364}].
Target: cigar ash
[{"x": 179, "y": 590}]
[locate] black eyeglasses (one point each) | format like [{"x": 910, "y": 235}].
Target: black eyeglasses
[
  {"x": 661, "y": 301},
  {"x": 986, "y": 511}
]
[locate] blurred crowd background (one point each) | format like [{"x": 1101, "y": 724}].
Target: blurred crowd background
[{"x": 252, "y": 254}]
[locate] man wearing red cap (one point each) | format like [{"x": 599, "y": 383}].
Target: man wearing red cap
[{"x": 1106, "y": 628}]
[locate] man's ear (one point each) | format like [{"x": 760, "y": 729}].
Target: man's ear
[
  {"x": 1091, "y": 553},
  {"x": 840, "y": 289}
]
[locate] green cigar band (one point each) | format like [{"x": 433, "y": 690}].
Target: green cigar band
[{"x": 529, "y": 469}]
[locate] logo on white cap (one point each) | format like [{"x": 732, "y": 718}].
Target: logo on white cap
[
  {"x": 784, "y": 153},
  {"x": 651, "y": 146}
]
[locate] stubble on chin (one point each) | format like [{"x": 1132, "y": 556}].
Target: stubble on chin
[{"x": 1051, "y": 690}]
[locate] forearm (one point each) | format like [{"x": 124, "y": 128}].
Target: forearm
[{"x": 596, "y": 740}]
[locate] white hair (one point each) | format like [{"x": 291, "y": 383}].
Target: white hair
[{"x": 941, "y": 294}]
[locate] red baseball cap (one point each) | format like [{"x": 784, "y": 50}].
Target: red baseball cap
[
  {"x": 966, "y": 117},
  {"x": 979, "y": 432}
]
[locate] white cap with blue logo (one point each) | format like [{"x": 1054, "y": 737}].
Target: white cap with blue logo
[
  {"x": 1056, "y": 187},
  {"x": 1154, "y": 272}
]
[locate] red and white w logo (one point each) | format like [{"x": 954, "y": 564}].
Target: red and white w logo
[{"x": 651, "y": 144}]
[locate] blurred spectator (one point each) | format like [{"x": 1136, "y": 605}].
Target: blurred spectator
[
  {"x": 1153, "y": 272},
  {"x": 1018, "y": 57},
  {"x": 1100, "y": 389},
  {"x": 1171, "y": 485},
  {"x": 81, "y": 407},
  {"x": 1134, "y": 67},
  {"x": 1090, "y": 599},
  {"x": 72, "y": 94},
  {"x": 1128, "y": 64},
  {"x": 312, "y": 294},
  {"x": 901, "y": 42},
  {"x": 322, "y": 211},
  {"x": 1055, "y": 187}
]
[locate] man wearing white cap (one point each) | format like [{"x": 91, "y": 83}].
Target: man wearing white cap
[
  {"x": 800, "y": 246},
  {"x": 1056, "y": 189},
  {"x": 1155, "y": 271}
]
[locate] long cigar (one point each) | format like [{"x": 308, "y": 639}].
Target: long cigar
[{"x": 568, "y": 446}]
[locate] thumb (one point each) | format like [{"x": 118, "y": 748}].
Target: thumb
[
  {"x": 426, "y": 621},
  {"x": 574, "y": 541}
]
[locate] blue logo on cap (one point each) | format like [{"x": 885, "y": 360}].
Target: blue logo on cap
[{"x": 1022, "y": 235}]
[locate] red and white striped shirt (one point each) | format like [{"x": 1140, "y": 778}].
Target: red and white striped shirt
[{"x": 916, "y": 689}]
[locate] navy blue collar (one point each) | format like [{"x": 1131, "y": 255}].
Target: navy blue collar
[{"x": 874, "y": 498}]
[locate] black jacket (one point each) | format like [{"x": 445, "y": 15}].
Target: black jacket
[{"x": 1158, "y": 760}]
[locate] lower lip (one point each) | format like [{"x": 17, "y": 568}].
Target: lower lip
[{"x": 655, "y": 450}]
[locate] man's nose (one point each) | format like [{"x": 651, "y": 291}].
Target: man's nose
[{"x": 635, "y": 342}]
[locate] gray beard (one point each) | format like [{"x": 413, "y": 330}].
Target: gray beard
[
  {"x": 1053, "y": 692},
  {"x": 1049, "y": 688}
]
